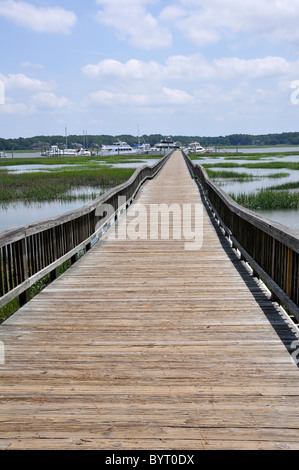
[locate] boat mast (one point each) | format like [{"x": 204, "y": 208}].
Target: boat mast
[
  {"x": 66, "y": 137},
  {"x": 138, "y": 135}
]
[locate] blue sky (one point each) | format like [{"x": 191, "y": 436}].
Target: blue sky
[{"x": 173, "y": 67}]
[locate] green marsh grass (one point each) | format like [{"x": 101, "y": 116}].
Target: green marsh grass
[
  {"x": 9, "y": 309},
  {"x": 267, "y": 200},
  {"x": 229, "y": 174},
  {"x": 80, "y": 160},
  {"x": 234, "y": 175},
  {"x": 50, "y": 186},
  {"x": 242, "y": 155},
  {"x": 277, "y": 175},
  {"x": 263, "y": 165},
  {"x": 259, "y": 156},
  {"x": 285, "y": 187},
  {"x": 201, "y": 156}
]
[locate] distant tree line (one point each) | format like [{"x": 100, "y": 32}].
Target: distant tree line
[{"x": 95, "y": 141}]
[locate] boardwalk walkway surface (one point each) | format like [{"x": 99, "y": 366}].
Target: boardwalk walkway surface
[{"x": 146, "y": 345}]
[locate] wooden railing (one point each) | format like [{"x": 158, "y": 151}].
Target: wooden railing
[
  {"x": 271, "y": 249},
  {"x": 30, "y": 252}
]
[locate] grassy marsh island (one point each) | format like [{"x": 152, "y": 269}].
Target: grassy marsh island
[
  {"x": 235, "y": 175},
  {"x": 268, "y": 200},
  {"x": 76, "y": 160},
  {"x": 63, "y": 176},
  {"x": 273, "y": 165},
  {"x": 279, "y": 197},
  {"x": 57, "y": 185}
]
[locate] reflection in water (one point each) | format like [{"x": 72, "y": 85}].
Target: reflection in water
[
  {"x": 289, "y": 218},
  {"x": 261, "y": 180},
  {"x": 21, "y": 214}
]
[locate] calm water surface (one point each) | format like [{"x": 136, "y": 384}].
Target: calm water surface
[
  {"x": 19, "y": 213},
  {"x": 289, "y": 218}
]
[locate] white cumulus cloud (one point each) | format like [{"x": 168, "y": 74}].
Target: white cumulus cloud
[
  {"x": 132, "y": 69},
  {"x": 51, "y": 101},
  {"x": 134, "y": 23},
  {"x": 38, "y": 19},
  {"x": 208, "y": 21},
  {"x": 163, "y": 96},
  {"x": 23, "y": 82},
  {"x": 191, "y": 68}
]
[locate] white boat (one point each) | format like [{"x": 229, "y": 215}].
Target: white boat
[
  {"x": 146, "y": 149},
  {"x": 55, "y": 151},
  {"x": 76, "y": 153},
  {"x": 84, "y": 153},
  {"x": 143, "y": 149},
  {"x": 166, "y": 145},
  {"x": 195, "y": 147},
  {"x": 69, "y": 152},
  {"x": 3, "y": 155},
  {"x": 117, "y": 148}
]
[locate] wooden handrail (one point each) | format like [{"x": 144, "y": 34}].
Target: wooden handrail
[
  {"x": 30, "y": 252},
  {"x": 270, "y": 248}
]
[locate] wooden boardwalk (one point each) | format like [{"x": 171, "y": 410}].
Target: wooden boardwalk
[{"x": 146, "y": 345}]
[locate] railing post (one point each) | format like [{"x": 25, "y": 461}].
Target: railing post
[
  {"x": 289, "y": 273},
  {"x": 24, "y": 297},
  {"x": 54, "y": 274}
]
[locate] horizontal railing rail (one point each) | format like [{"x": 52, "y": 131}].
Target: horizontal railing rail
[
  {"x": 30, "y": 252},
  {"x": 271, "y": 249}
]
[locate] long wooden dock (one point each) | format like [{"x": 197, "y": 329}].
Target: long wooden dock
[{"x": 143, "y": 344}]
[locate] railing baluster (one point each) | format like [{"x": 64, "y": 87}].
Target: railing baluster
[{"x": 2, "y": 289}]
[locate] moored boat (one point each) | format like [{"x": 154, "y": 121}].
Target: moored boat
[
  {"x": 117, "y": 148},
  {"x": 166, "y": 145},
  {"x": 55, "y": 151},
  {"x": 195, "y": 147}
]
